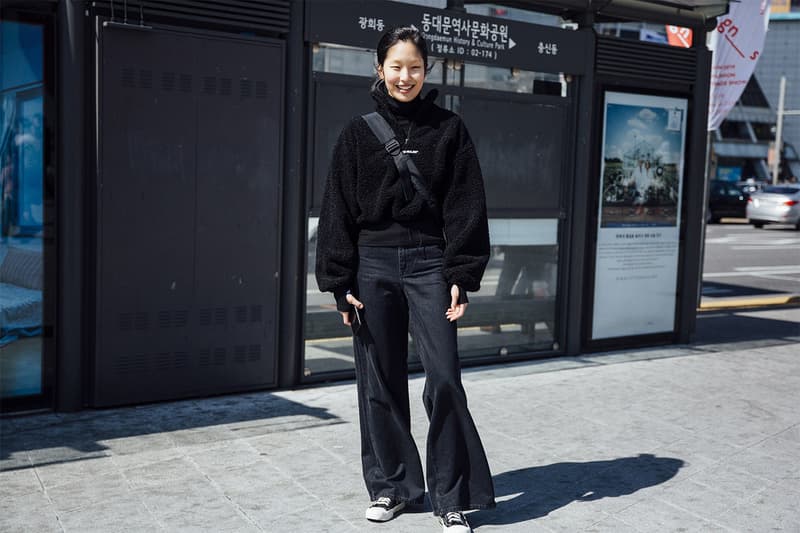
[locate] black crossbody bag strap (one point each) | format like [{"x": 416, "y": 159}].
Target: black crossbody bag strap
[{"x": 407, "y": 168}]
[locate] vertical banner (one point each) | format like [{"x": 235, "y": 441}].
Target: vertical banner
[
  {"x": 737, "y": 42},
  {"x": 641, "y": 173}
]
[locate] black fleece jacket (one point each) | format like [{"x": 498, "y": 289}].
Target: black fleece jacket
[{"x": 364, "y": 191}]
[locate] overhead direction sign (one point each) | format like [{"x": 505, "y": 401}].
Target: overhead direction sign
[{"x": 451, "y": 34}]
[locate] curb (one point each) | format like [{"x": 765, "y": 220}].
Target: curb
[{"x": 743, "y": 303}]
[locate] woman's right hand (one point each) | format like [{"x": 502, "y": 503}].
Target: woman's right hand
[{"x": 352, "y": 300}]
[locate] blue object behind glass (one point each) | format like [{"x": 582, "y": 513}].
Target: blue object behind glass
[{"x": 21, "y": 209}]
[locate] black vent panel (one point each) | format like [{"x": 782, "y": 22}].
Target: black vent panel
[
  {"x": 225, "y": 86},
  {"x": 168, "y": 81},
  {"x": 129, "y": 77},
  {"x": 189, "y": 169},
  {"x": 269, "y": 16},
  {"x": 146, "y": 79},
  {"x": 185, "y": 83},
  {"x": 635, "y": 59}
]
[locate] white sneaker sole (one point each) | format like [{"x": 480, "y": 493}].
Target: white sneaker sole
[{"x": 379, "y": 514}]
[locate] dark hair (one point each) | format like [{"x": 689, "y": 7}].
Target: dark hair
[{"x": 404, "y": 33}]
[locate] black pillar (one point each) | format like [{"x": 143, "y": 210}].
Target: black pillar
[
  {"x": 577, "y": 299},
  {"x": 70, "y": 190},
  {"x": 293, "y": 250},
  {"x": 695, "y": 195}
]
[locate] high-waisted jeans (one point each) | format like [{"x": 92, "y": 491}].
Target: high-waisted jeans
[{"x": 403, "y": 290}]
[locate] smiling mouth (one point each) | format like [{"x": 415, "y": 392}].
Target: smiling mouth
[{"x": 404, "y": 89}]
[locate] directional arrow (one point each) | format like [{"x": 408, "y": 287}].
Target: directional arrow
[{"x": 511, "y": 43}]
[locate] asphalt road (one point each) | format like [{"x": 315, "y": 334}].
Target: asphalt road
[{"x": 743, "y": 261}]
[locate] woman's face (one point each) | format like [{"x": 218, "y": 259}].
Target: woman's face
[{"x": 403, "y": 71}]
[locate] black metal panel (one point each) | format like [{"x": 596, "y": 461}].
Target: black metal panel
[
  {"x": 634, "y": 60},
  {"x": 190, "y": 162},
  {"x": 270, "y": 16},
  {"x": 336, "y": 100},
  {"x": 522, "y": 161}
]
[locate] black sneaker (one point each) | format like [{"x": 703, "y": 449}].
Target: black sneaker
[
  {"x": 384, "y": 509},
  {"x": 454, "y": 522}
]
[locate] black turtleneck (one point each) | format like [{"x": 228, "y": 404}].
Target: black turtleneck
[{"x": 405, "y": 112}]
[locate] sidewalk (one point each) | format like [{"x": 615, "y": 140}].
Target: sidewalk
[{"x": 696, "y": 438}]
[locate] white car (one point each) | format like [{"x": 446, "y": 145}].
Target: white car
[{"x": 775, "y": 204}]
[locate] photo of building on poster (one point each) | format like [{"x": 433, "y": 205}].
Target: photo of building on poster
[{"x": 642, "y": 160}]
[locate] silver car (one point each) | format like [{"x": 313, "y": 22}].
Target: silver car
[{"x": 775, "y": 204}]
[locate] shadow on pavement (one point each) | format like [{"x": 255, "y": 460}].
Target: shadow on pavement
[
  {"x": 67, "y": 437},
  {"x": 537, "y": 491},
  {"x": 722, "y": 327}
]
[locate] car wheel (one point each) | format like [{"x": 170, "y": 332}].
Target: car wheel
[{"x": 758, "y": 225}]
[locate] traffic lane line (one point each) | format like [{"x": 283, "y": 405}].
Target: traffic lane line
[{"x": 755, "y": 271}]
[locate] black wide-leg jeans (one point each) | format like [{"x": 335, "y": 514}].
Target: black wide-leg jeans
[{"x": 403, "y": 289}]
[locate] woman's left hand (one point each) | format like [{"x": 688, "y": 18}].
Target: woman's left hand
[{"x": 456, "y": 310}]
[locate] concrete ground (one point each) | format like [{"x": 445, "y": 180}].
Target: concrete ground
[{"x": 703, "y": 437}]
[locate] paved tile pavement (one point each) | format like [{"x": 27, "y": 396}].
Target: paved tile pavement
[{"x": 694, "y": 438}]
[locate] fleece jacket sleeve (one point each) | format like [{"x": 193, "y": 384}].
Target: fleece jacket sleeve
[
  {"x": 337, "y": 232},
  {"x": 466, "y": 225}
]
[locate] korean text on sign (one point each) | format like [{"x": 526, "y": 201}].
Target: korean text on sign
[
  {"x": 549, "y": 49},
  {"x": 447, "y": 25},
  {"x": 369, "y": 23}
]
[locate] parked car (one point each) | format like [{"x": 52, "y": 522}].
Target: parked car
[
  {"x": 750, "y": 186},
  {"x": 726, "y": 199},
  {"x": 775, "y": 204}
]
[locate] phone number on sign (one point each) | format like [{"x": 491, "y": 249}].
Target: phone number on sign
[{"x": 485, "y": 54}]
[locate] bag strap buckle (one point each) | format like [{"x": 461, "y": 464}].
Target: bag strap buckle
[{"x": 393, "y": 147}]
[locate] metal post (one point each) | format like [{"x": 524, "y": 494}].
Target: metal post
[
  {"x": 776, "y": 162},
  {"x": 293, "y": 252},
  {"x": 695, "y": 185},
  {"x": 706, "y": 185},
  {"x": 71, "y": 206},
  {"x": 579, "y": 225}
]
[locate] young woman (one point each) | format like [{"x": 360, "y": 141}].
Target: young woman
[{"x": 397, "y": 265}]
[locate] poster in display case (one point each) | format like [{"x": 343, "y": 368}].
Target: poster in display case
[{"x": 638, "y": 234}]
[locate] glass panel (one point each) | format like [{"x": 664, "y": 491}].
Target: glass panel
[
  {"x": 438, "y": 4},
  {"x": 514, "y": 312},
  {"x": 329, "y": 345},
  {"x": 515, "y": 309},
  {"x": 498, "y": 78},
  {"x": 21, "y": 209},
  {"x": 358, "y": 62},
  {"x": 436, "y": 74},
  {"x": 552, "y": 84},
  {"x": 344, "y": 60},
  {"x": 513, "y": 80},
  {"x": 452, "y": 72},
  {"x": 510, "y": 13}
]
